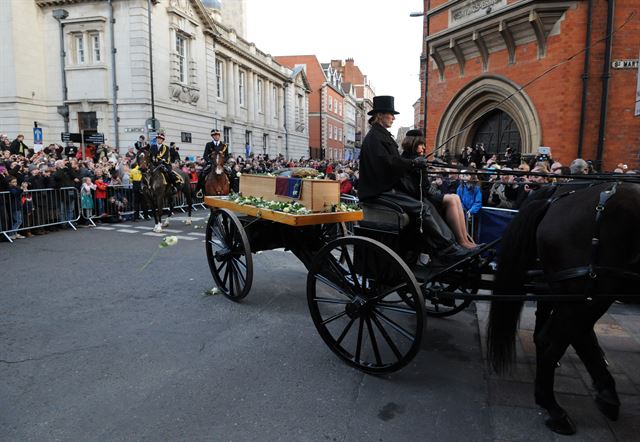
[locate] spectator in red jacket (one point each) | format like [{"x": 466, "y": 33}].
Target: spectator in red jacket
[{"x": 345, "y": 184}]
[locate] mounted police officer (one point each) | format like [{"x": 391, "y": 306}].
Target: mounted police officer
[
  {"x": 161, "y": 157},
  {"x": 213, "y": 146},
  {"x": 381, "y": 172}
]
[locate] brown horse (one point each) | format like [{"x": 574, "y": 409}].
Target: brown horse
[{"x": 217, "y": 182}]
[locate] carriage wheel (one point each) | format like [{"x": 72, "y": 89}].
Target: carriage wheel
[
  {"x": 229, "y": 254},
  {"x": 440, "y": 308},
  {"x": 366, "y": 304}
]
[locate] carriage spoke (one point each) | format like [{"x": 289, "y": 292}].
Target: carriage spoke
[
  {"x": 226, "y": 274},
  {"x": 334, "y": 317},
  {"x": 350, "y": 266},
  {"x": 387, "y": 338},
  {"x": 389, "y": 291},
  {"x": 232, "y": 277},
  {"x": 239, "y": 272},
  {"x": 330, "y": 301},
  {"x": 359, "y": 344},
  {"x": 345, "y": 331},
  {"x": 236, "y": 280},
  {"x": 394, "y": 325},
  {"x": 374, "y": 344},
  {"x": 337, "y": 288},
  {"x": 385, "y": 306}
]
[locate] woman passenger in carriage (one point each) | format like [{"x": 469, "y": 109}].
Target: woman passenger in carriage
[{"x": 414, "y": 145}]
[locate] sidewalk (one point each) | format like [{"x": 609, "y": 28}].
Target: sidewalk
[{"x": 514, "y": 414}]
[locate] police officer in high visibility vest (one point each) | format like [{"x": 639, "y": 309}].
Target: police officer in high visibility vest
[{"x": 161, "y": 157}]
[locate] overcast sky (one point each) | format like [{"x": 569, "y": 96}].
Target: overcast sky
[{"x": 379, "y": 35}]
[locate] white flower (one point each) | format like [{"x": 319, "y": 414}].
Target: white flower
[
  {"x": 211, "y": 291},
  {"x": 286, "y": 209},
  {"x": 238, "y": 174},
  {"x": 169, "y": 241}
]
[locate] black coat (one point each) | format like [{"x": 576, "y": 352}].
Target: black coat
[
  {"x": 210, "y": 147},
  {"x": 410, "y": 184},
  {"x": 381, "y": 166}
]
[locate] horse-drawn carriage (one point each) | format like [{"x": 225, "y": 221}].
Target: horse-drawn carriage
[{"x": 369, "y": 294}]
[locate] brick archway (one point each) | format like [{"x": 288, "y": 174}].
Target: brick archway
[{"x": 468, "y": 107}]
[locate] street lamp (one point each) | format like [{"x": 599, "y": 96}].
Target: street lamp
[{"x": 59, "y": 15}]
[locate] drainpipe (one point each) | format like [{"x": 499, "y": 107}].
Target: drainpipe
[
  {"x": 605, "y": 84},
  {"x": 321, "y": 133},
  {"x": 59, "y": 15},
  {"x": 153, "y": 103},
  {"x": 426, "y": 67},
  {"x": 114, "y": 84},
  {"x": 286, "y": 127},
  {"x": 585, "y": 78}
]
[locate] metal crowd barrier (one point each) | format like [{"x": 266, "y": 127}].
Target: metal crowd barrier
[
  {"x": 122, "y": 202},
  {"x": 38, "y": 209}
]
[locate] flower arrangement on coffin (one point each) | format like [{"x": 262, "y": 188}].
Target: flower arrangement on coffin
[{"x": 294, "y": 208}]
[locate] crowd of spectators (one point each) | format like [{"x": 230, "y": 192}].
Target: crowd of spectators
[{"x": 479, "y": 178}]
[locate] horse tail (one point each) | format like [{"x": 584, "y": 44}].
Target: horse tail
[{"x": 517, "y": 255}]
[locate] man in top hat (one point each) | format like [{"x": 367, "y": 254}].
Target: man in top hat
[
  {"x": 215, "y": 145},
  {"x": 381, "y": 171},
  {"x": 161, "y": 156}
]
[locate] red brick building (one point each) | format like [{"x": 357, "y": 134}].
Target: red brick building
[
  {"x": 483, "y": 58},
  {"x": 326, "y": 106}
]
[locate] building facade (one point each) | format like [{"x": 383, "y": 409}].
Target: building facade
[
  {"x": 110, "y": 66},
  {"x": 530, "y": 73}
]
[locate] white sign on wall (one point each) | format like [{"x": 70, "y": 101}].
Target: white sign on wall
[{"x": 473, "y": 9}]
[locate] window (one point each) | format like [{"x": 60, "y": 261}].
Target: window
[
  {"x": 339, "y": 108},
  {"x": 226, "y": 135},
  {"x": 97, "y": 50},
  {"x": 260, "y": 109},
  {"x": 330, "y": 103},
  {"x": 330, "y": 130},
  {"x": 241, "y": 88},
  {"x": 79, "y": 48},
  {"x": 274, "y": 98},
  {"x": 181, "y": 50},
  {"x": 340, "y": 134},
  {"x": 219, "y": 79},
  {"x": 300, "y": 113},
  {"x": 87, "y": 121},
  {"x": 335, "y": 133},
  {"x": 265, "y": 143}
]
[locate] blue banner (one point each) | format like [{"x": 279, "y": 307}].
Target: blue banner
[{"x": 492, "y": 223}]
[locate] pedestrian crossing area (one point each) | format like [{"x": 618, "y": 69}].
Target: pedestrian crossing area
[{"x": 177, "y": 228}]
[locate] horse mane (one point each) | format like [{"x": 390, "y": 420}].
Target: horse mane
[{"x": 518, "y": 254}]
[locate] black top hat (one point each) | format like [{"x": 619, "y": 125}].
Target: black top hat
[
  {"x": 160, "y": 135},
  {"x": 414, "y": 133},
  {"x": 384, "y": 104},
  {"x": 215, "y": 131}
]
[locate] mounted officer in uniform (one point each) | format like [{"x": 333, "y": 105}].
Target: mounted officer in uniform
[
  {"x": 210, "y": 148},
  {"x": 160, "y": 157}
]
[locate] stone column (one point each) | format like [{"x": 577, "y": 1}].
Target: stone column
[
  {"x": 231, "y": 96},
  {"x": 251, "y": 111}
]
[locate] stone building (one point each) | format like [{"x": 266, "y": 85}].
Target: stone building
[
  {"x": 126, "y": 61},
  {"x": 530, "y": 73}
]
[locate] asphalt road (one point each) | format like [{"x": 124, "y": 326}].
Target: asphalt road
[{"x": 94, "y": 345}]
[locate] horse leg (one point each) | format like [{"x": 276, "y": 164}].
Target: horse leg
[
  {"x": 166, "y": 221},
  {"x": 550, "y": 346},
  {"x": 157, "y": 214},
  {"x": 592, "y": 357},
  {"x": 189, "y": 198}
]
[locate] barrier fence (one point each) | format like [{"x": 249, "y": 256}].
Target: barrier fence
[
  {"x": 44, "y": 208},
  {"x": 38, "y": 209}
]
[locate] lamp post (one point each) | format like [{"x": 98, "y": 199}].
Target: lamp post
[
  {"x": 424, "y": 59},
  {"x": 59, "y": 15}
]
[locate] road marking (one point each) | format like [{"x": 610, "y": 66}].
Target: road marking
[
  {"x": 144, "y": 228},
  {"x": 125, "y": 225},
  {"x": 187, "y": 238},
  {"x": 128, "y": 231},
  {"x": 171, "y": 230},
  {"x": 104, "y": 228},
  {"x": 153, "y": 234},
  {"x": 197, "y": 234}
]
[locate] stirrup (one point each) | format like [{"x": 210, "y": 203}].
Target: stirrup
[{"x": 199, "y": 194}]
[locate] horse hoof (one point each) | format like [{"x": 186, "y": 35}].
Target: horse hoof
[
  {"x": 561, "y": 425},
  {"x": 165, "y": 224},
  {"x": 609, "y": 409}
]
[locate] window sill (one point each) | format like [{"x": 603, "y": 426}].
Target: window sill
[{"x": 85, "y": 67}]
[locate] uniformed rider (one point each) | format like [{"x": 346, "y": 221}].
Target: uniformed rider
[
  {"x": 213, "y": 146},
  {"x": 161, "y": 157}
]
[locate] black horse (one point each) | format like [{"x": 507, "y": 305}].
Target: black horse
[
  {"x": 587, "y": 242},
  {"x": 157, "y": 191}
]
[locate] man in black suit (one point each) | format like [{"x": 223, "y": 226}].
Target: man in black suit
[
  {"x": 381, "y": 172},
  {"x": 209, "y": 149}
]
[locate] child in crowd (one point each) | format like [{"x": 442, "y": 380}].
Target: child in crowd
[
  {"x": 101, "y": 192},
  {"x": 15, "y": 207},
  {"x": 86, "y": 197},
  {"x": 470, "y": 195}
]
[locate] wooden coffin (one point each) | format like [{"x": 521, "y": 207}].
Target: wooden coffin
[{"x": 316, "y": 195}]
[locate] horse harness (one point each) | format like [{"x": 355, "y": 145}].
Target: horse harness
[{"x": 593, "y": 270}]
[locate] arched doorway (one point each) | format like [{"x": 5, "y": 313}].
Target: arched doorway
[
  {"x": 497, "y": 131},
  {"x": 489, "y": 96}
]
